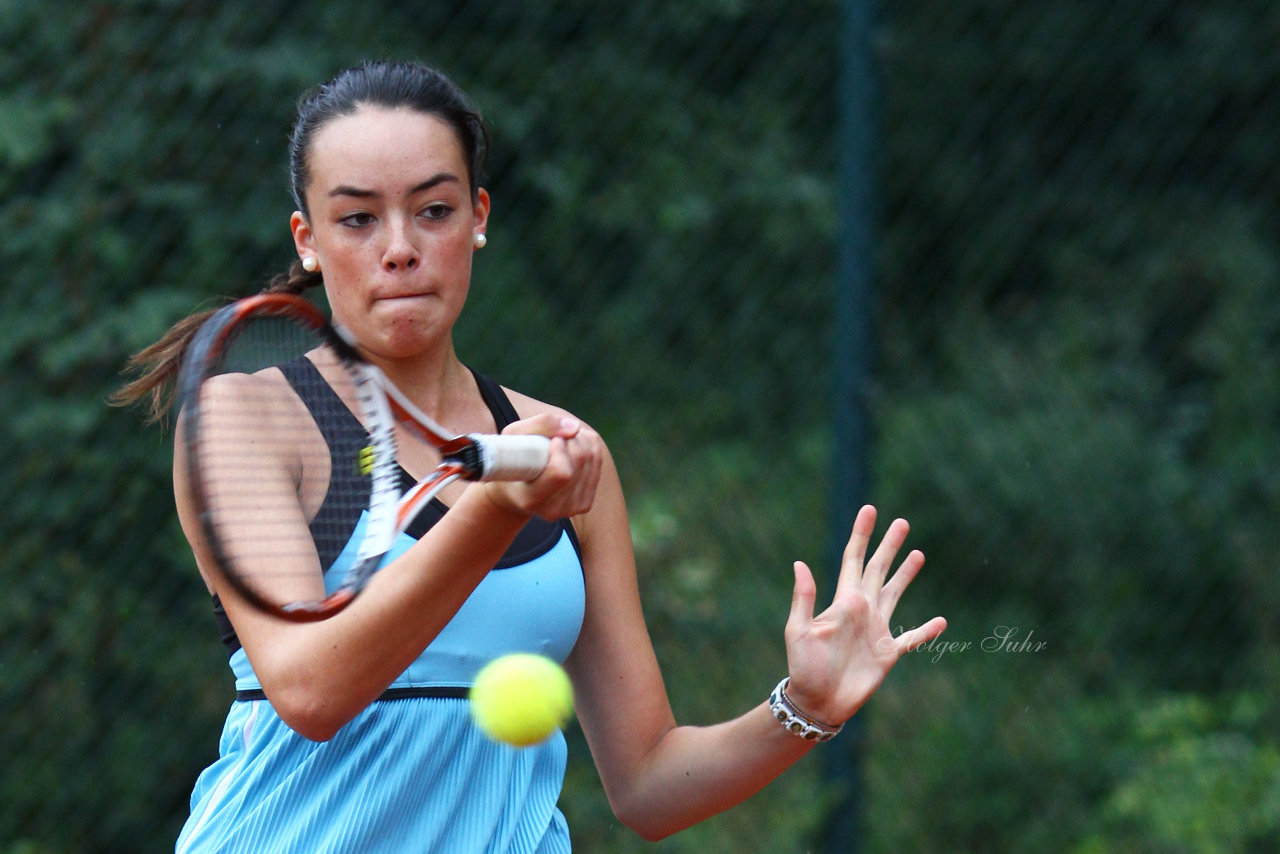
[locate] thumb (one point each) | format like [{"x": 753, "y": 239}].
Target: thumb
[
  {"x": 802, "y": 597},
  {"x": 547, "y": 424}
]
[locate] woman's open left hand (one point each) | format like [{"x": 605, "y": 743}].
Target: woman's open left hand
[{"x": 838, "y": 658}]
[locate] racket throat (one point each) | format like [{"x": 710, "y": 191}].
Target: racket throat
[{"x": 465, "y": 454}]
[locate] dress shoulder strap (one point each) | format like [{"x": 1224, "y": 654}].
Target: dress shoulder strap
[{"x": 497, "y": 401}]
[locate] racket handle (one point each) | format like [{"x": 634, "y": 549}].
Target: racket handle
[{"x": 511, "y": 457}]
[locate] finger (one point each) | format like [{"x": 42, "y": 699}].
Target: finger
[
  {"x": 547, "y": 424},
  {"x": 543, "y": 424},
  {"x": 803, "y": 595},
  {"x": 920, "y": 635},
  {"x": 855, "y": 551},
  {"x": 568, "y": 427},
  {"x": 587, "y": 451},
  {"x": 897, "y": 585},
  {"x": 877, "y": 568},
  {"x": 573, "y": 446},
  {"x": 544, "y": 491},
  {"x": 573, "y": 472}
]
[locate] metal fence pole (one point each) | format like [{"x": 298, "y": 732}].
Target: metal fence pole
[{"x": 853, "y": 349}]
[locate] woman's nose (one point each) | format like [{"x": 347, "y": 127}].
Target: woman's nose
[{"x": 400, "y": 253}]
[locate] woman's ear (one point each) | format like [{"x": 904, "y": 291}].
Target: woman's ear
[
  {"x": 480, "y": 208},
  {"x": 303, "y": 239}
]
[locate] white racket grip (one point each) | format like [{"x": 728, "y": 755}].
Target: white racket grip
[{"x": 512, "y": 457}]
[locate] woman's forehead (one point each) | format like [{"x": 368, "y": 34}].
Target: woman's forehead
[{"x": 377, "y": 144}]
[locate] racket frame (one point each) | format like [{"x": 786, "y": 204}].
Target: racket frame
[
  {"x": 207, "y": 347},
  {"x": 470, "y": 457}
]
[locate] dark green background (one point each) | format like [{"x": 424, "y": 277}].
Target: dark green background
[{"x": 1074, "y": 398}]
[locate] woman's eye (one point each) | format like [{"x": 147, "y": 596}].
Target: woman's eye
[
  {"x": 438, "y": 210},
  {"x": 359, "y": 219}
]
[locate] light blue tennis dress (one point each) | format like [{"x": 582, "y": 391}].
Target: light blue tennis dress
[{"x": 411, "y": 773}]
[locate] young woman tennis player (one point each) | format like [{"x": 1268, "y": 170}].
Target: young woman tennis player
[{"x": 353, "y": 733}]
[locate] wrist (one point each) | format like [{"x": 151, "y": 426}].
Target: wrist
[
  {"x": 813, "y": 705},
  {"x": 795, "y": 719},
  {"x": 502, "y": 503}
]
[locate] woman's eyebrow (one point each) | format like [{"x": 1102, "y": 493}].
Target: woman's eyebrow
[{"x": 360, "y": 193}]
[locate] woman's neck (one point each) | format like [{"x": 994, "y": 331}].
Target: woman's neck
[{"x": 442, "y": 387}]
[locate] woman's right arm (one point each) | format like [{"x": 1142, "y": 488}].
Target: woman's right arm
[{"x": 320, "y": 675}]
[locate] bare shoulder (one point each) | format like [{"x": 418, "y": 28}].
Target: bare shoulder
[
  {"x": 246, "y": 391},
  {"x": 251, "y": 421},
  {"x": 608, "y": 512},
  {"x": 527, "y": 407}
]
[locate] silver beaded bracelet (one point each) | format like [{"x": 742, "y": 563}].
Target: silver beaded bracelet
[{"x": 796, "y": 721}]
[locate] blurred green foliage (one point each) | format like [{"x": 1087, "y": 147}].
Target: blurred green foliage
[
  {"x": 1075, "y": 400},
  {"x": 1078, "y": 403}
]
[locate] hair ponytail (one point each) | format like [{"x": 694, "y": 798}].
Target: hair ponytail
[
  {"x": 157, "y": 365},
  {"x": 294, "y": 280},
  {"x": 157, "y": 368}
]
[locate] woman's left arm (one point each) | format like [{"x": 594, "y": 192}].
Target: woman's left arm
[{"x": 661, "y": 778}]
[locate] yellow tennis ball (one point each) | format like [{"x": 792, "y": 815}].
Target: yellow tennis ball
[{"x": 521, "y": 698}]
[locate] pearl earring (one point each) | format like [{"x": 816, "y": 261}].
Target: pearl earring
[
  {"x": 479, "y": 240},
  {"x": 310, "y": 264}
]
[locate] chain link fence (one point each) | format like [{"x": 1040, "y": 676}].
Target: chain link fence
[{"x": 1074, "y": 394}]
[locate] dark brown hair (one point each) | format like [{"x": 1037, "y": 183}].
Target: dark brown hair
[{"x": 379, "y": 84}]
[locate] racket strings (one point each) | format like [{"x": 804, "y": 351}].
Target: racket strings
[
  {"x": 284, "y": 464},
  {"x": 292, "y": 456}
]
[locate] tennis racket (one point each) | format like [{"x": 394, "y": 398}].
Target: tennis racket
[{"x": 296, "y": 523}]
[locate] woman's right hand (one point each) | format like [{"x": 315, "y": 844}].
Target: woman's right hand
[{"x": 567, "y": 486}]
